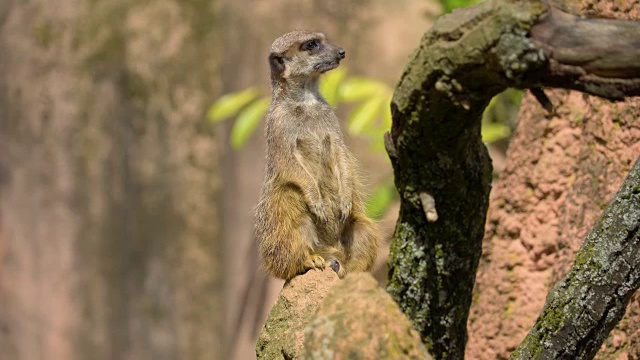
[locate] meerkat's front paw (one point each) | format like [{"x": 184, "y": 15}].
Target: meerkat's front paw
[
  {"x": 318, "y": 209},
  {"x": 314, "y": 262},
  {"x": 345, "y": 210}
]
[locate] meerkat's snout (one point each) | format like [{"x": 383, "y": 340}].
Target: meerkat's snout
[{"x": 335, "y": 56}]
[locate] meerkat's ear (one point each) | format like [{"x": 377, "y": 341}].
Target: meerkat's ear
[{"x": 276, "y": 62}]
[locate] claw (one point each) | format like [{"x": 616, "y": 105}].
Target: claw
[
  {"x": 314, "y": 262},
  {"x": 318, "y": 210},
  {"x": 345, "y": 210}
]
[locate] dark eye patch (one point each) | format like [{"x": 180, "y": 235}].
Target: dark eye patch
[{"x": 310, "y": 45}]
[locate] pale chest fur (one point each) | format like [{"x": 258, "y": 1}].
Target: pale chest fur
[
  {"x": 311, "y": 128},
  {"x": 310, "y": 121}
]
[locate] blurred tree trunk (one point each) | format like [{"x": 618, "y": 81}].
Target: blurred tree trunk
[
  {"x": 561, "y": 172},
  {"x": 109, "y": 180}
]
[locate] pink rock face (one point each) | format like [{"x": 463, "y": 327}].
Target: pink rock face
[{"x": 561, "y": 172}]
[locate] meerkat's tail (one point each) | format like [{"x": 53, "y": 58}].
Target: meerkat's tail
[{"x": 362, "y": 237}]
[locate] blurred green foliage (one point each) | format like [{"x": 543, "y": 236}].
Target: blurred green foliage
[
  {"x": 501, "y": 115},
  {"x": 230, "y": 104},
  {"x": 379, "y": 201},
  {"x": 449, "y": 5}
]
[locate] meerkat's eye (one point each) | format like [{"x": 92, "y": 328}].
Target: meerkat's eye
[{"x": 310, "y": 45}]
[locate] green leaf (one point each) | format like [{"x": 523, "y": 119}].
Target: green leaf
[
  {"x": 359, "y": 88},
  {"x": 247, "y": 121},
  {"x": 503, "y": 107},
  {"x": 330, "y": 85},
  {"x": 492, "y": 132},
  {"x": 230, "y": 104},
  {"x": 364, "y": 114},
  {"x": 386, "y": 115},
  {"x": 380, "y": 201},
  {"x": 514, "y": 95},
  {"x": 449, "y": 5}
]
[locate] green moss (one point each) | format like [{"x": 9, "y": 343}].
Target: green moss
[
  {"x": 409, "y": 268},
  {"x": 270, "y": 345},
  {"x": 549, "y": 322},
  {"x": 552, "y": 319},
  {"x": 583, "y": 256}
]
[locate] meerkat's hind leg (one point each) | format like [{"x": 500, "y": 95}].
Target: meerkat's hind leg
[
  {"x": 287, "y": 247},
  {"x": 313, "y": 260},
  {"x": 361, "y": 236}
]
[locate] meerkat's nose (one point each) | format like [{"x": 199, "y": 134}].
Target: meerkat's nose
[{"x": 341, "y": 53}]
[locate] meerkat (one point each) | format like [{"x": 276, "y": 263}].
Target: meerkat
[{"x": 311, "y": 212}]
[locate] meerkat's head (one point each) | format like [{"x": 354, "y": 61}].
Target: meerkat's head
[{"x": 302, "y": 54}]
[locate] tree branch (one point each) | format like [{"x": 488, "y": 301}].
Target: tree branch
[
  {"x": 597, "y": 56},
  {"x": 436, "y": 148}
]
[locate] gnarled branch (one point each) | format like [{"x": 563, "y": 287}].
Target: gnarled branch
[{"x": 435, "y": 145}]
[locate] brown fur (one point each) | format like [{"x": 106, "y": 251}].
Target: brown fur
[{"x": 310, "y": 212}]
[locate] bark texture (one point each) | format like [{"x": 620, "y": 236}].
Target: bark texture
[
  {"x": 442, "y": 171},
  {"x": 109, "y": 182}
]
